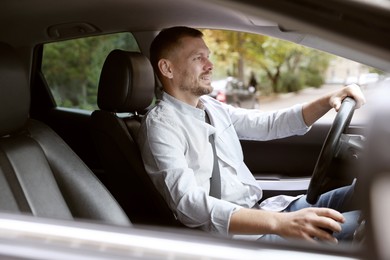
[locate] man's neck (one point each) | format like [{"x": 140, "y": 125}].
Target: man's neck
[{"x": 184, "y": 97}]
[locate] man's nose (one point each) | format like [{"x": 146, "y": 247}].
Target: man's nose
[{"x": 209, "y": 65}]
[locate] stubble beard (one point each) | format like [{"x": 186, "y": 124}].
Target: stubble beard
[{"x": 196, "y": 87}]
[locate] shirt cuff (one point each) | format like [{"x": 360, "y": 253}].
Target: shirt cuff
[{"x": 299, "y": 126}]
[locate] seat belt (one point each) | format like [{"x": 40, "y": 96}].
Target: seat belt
[{"x": 215, "y": 180}]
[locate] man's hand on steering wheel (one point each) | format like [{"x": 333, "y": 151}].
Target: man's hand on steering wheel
[
  {"x": 352, "y": 91},
  {"x": 345, "y": 101}
]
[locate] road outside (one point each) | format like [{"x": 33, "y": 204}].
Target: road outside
[{"x": 278, "y": 101}]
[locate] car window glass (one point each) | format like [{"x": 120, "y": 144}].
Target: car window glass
[
  {"x": 72, "y": 68},
  {"x": 257, "y": 71}
]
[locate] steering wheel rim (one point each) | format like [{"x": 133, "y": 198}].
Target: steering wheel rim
[{"x": 329, "y": 149}]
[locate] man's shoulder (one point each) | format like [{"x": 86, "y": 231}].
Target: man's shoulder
[
  {"x": 161, "y": 107},
  {"x": 162, "y": 112}
]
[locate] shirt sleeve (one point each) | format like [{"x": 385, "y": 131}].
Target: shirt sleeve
[
  {"x": 164, "y": 148},
  {"x": 252, "y": 124}
]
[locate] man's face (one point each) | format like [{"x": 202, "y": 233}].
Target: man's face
[{"x": 192, "y": 67}]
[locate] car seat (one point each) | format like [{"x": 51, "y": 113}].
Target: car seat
[
  {"x": 39, "y": 174},
  {"x": 126, "y": 90}
]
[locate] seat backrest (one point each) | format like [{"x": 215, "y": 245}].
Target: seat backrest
[
  {"x": 127, "y": 86},
  {"x": 39, "y": 173}
]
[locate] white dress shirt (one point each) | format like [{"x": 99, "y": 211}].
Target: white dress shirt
[{"x": 174, "y": 141}]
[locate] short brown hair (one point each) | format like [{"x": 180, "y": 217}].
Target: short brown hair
[{"x": 167, "y": 40}]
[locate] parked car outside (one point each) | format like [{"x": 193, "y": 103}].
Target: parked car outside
[{"x": 231, "y": 91}]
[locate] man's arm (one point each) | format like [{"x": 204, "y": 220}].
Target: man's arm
[
  {"x": 312, "y": 111},
  {"x": 308, "y": 223}
]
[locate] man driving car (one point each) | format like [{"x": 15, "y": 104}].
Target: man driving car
[{"x": 183, "y": 134}]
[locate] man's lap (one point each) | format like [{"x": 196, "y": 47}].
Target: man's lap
[{"x": 339, "y": 199}]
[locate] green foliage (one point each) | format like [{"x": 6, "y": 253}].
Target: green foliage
[
  {"x": 281, "y": 66},
  {"x": 290, "y": 82},
  {"x": 72, "y": 68},
  {"x": 313, "y": 78}
]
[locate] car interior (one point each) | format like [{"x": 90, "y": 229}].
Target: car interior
[
  {"x": 40, "y": 174},
  {"x": 70, "y": 163},
  {"x": 104, "y": 140}
]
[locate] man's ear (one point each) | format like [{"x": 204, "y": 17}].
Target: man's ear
[{"x": 165, "y": 67}]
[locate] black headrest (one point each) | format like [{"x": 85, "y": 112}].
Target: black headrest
[
  {"x": 126, "y": 82},
  {"x": 14, "y": 91}
]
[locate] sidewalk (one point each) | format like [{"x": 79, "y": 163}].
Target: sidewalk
[{"x": 278, "y": 101}]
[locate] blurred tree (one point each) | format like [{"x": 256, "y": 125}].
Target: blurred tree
[
  {"x": 224, "y": 52},
  {"x": 72, "y": 68},
  {"x": 282, "y": 65}
]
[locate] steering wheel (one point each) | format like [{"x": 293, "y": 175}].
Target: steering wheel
[{"x": 330, "y": 149}]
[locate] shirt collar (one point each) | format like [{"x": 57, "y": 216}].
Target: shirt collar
[{"x": 183, "y": 107}]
